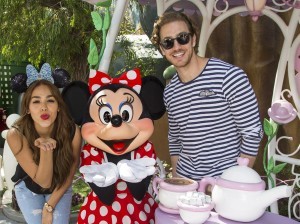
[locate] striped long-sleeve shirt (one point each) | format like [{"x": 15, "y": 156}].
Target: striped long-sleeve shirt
[{"x": 212, "y": 120}]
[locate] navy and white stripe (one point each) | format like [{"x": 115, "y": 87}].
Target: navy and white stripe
[{"x": 212, "y": 119}]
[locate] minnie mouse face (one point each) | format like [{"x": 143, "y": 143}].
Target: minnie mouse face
[{"x": 118, "y": 123}]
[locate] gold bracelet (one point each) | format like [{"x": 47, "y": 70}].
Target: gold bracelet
[{"x": 48, "y": 207}]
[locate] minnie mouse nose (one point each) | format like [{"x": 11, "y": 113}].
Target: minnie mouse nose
[{"x": 116, "y": 120}]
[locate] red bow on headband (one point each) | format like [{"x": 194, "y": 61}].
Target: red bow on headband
[{"x": 130, "y": 78}]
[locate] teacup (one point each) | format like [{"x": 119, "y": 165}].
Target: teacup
[
  {"x": 195, "y": 207},
  {"x": 170, "y": 189}
]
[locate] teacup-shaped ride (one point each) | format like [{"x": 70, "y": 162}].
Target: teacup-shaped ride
[
  {"x": 169, "y": 190},
  {"x": 195, "y": 207}
]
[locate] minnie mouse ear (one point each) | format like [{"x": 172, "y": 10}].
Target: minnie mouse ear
[
  {"x": 76, "y": 96},
  {"x": 61, "y": 77},
  {"x": 18, "y": 82}
]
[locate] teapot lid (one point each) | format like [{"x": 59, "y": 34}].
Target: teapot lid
[{"x": 242, "y": 174}]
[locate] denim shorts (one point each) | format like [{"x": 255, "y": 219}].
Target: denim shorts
[{"x": 31, "y": 205}]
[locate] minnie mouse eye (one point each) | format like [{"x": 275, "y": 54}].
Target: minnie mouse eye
[
  {"x": 126, "y": 112},
  {"x": 105, "y": 114}
]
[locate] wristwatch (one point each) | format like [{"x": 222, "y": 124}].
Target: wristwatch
[{"x": 48, "y": 207}]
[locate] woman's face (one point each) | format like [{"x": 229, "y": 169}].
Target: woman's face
[{"x": 43, "y": 107}]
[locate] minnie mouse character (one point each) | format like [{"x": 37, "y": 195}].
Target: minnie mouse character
[{"x": 118, "y": 160}]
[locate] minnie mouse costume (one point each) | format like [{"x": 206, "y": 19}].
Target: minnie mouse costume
[{"x": 118, "y": 160}]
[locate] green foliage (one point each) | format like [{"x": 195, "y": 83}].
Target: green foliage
[
  {"x": 169, "y": 72},
  {"x": 268, "y": 128},
  {"x": 93, "y": 55},
  {"x": 102, "y": 25},
  {"x": 81, "y": 190},
  {"x": 127, "y": 26},
  {"x": 3, "y": 191},
  {"x": 97, "y": 20},
  {"x": 39, "y": 31},
  {"x": 278, "y": 168},
  {"x": 59, "y": 32},
  {"x": 107, "y": 20},
  {"x": 131, "y": 60},
  {"x": 104, "y": 4},
  {"x": 270, "y": 167},
  {"x": 81, "y": 187}
]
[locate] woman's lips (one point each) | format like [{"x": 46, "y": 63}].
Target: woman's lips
[{"x": 45, "y": 116}]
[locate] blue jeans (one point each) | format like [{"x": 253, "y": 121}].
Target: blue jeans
[{"x": 32, "y": 204}]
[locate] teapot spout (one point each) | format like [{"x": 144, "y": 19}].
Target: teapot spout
[{"x": 274, "y": 194}]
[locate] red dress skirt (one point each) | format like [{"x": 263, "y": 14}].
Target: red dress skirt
[{"x": 125, "y": 209}]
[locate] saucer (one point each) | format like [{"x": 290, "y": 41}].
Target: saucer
[{"x": 168, "y": 210}]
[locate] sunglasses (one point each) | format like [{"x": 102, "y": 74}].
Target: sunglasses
[{"x": 182, "y": 38}]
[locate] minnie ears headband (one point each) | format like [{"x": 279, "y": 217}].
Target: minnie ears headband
[
  {"x": 130, "y": 78},
  {"x": 61, "y": 78},
  {"x": 20, "y": 81}
]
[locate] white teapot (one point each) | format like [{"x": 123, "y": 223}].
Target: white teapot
[{"x": 239, "y": 193}]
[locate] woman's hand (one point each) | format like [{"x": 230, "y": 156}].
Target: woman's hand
[
  {"x": 46, "y": 144},
  {"x": 47, "y": 217}
]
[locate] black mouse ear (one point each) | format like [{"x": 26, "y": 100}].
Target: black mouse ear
[
  {"x": 61, "y": 77},
  {"x": 76, "y": 96},
  {"x": 152, "y": 94},
  {"x": 18, "y": 82}
]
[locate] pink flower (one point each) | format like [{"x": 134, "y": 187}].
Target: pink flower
[{"x": 282, "y": 112}]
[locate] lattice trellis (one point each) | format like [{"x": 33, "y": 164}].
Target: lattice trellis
[
  {"x": 9, "y": 99},
  {"x": 6, "y": 93}
]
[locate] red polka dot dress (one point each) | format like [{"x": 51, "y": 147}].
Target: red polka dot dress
[{"x": 125, "y": 209}]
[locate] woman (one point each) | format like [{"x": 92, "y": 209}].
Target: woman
[{"x": 46, "y": 143}]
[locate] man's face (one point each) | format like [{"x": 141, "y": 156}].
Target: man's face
[{"x": 181, "y": 53}]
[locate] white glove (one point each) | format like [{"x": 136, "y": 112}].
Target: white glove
[
  {"x": 135, "y": 171},
  {"x": 102, "y": 175}
]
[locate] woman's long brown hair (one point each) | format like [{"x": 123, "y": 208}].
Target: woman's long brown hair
[{"x": 63, "y": 133}]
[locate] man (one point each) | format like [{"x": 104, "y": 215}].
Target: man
[{"x": 212, "y": 109}]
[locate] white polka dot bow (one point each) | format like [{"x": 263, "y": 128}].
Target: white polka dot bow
[{"x": 130, "y": 78}]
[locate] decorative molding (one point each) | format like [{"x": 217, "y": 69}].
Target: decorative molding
[{"x": 213, "y": 13}]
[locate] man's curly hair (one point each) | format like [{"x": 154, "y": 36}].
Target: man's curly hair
[{"x": 169, "y": 17}]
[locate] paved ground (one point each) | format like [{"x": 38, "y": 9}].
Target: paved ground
[
  {"x": 4, "y": 219},
  {"x": 9, "y": 216}
]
